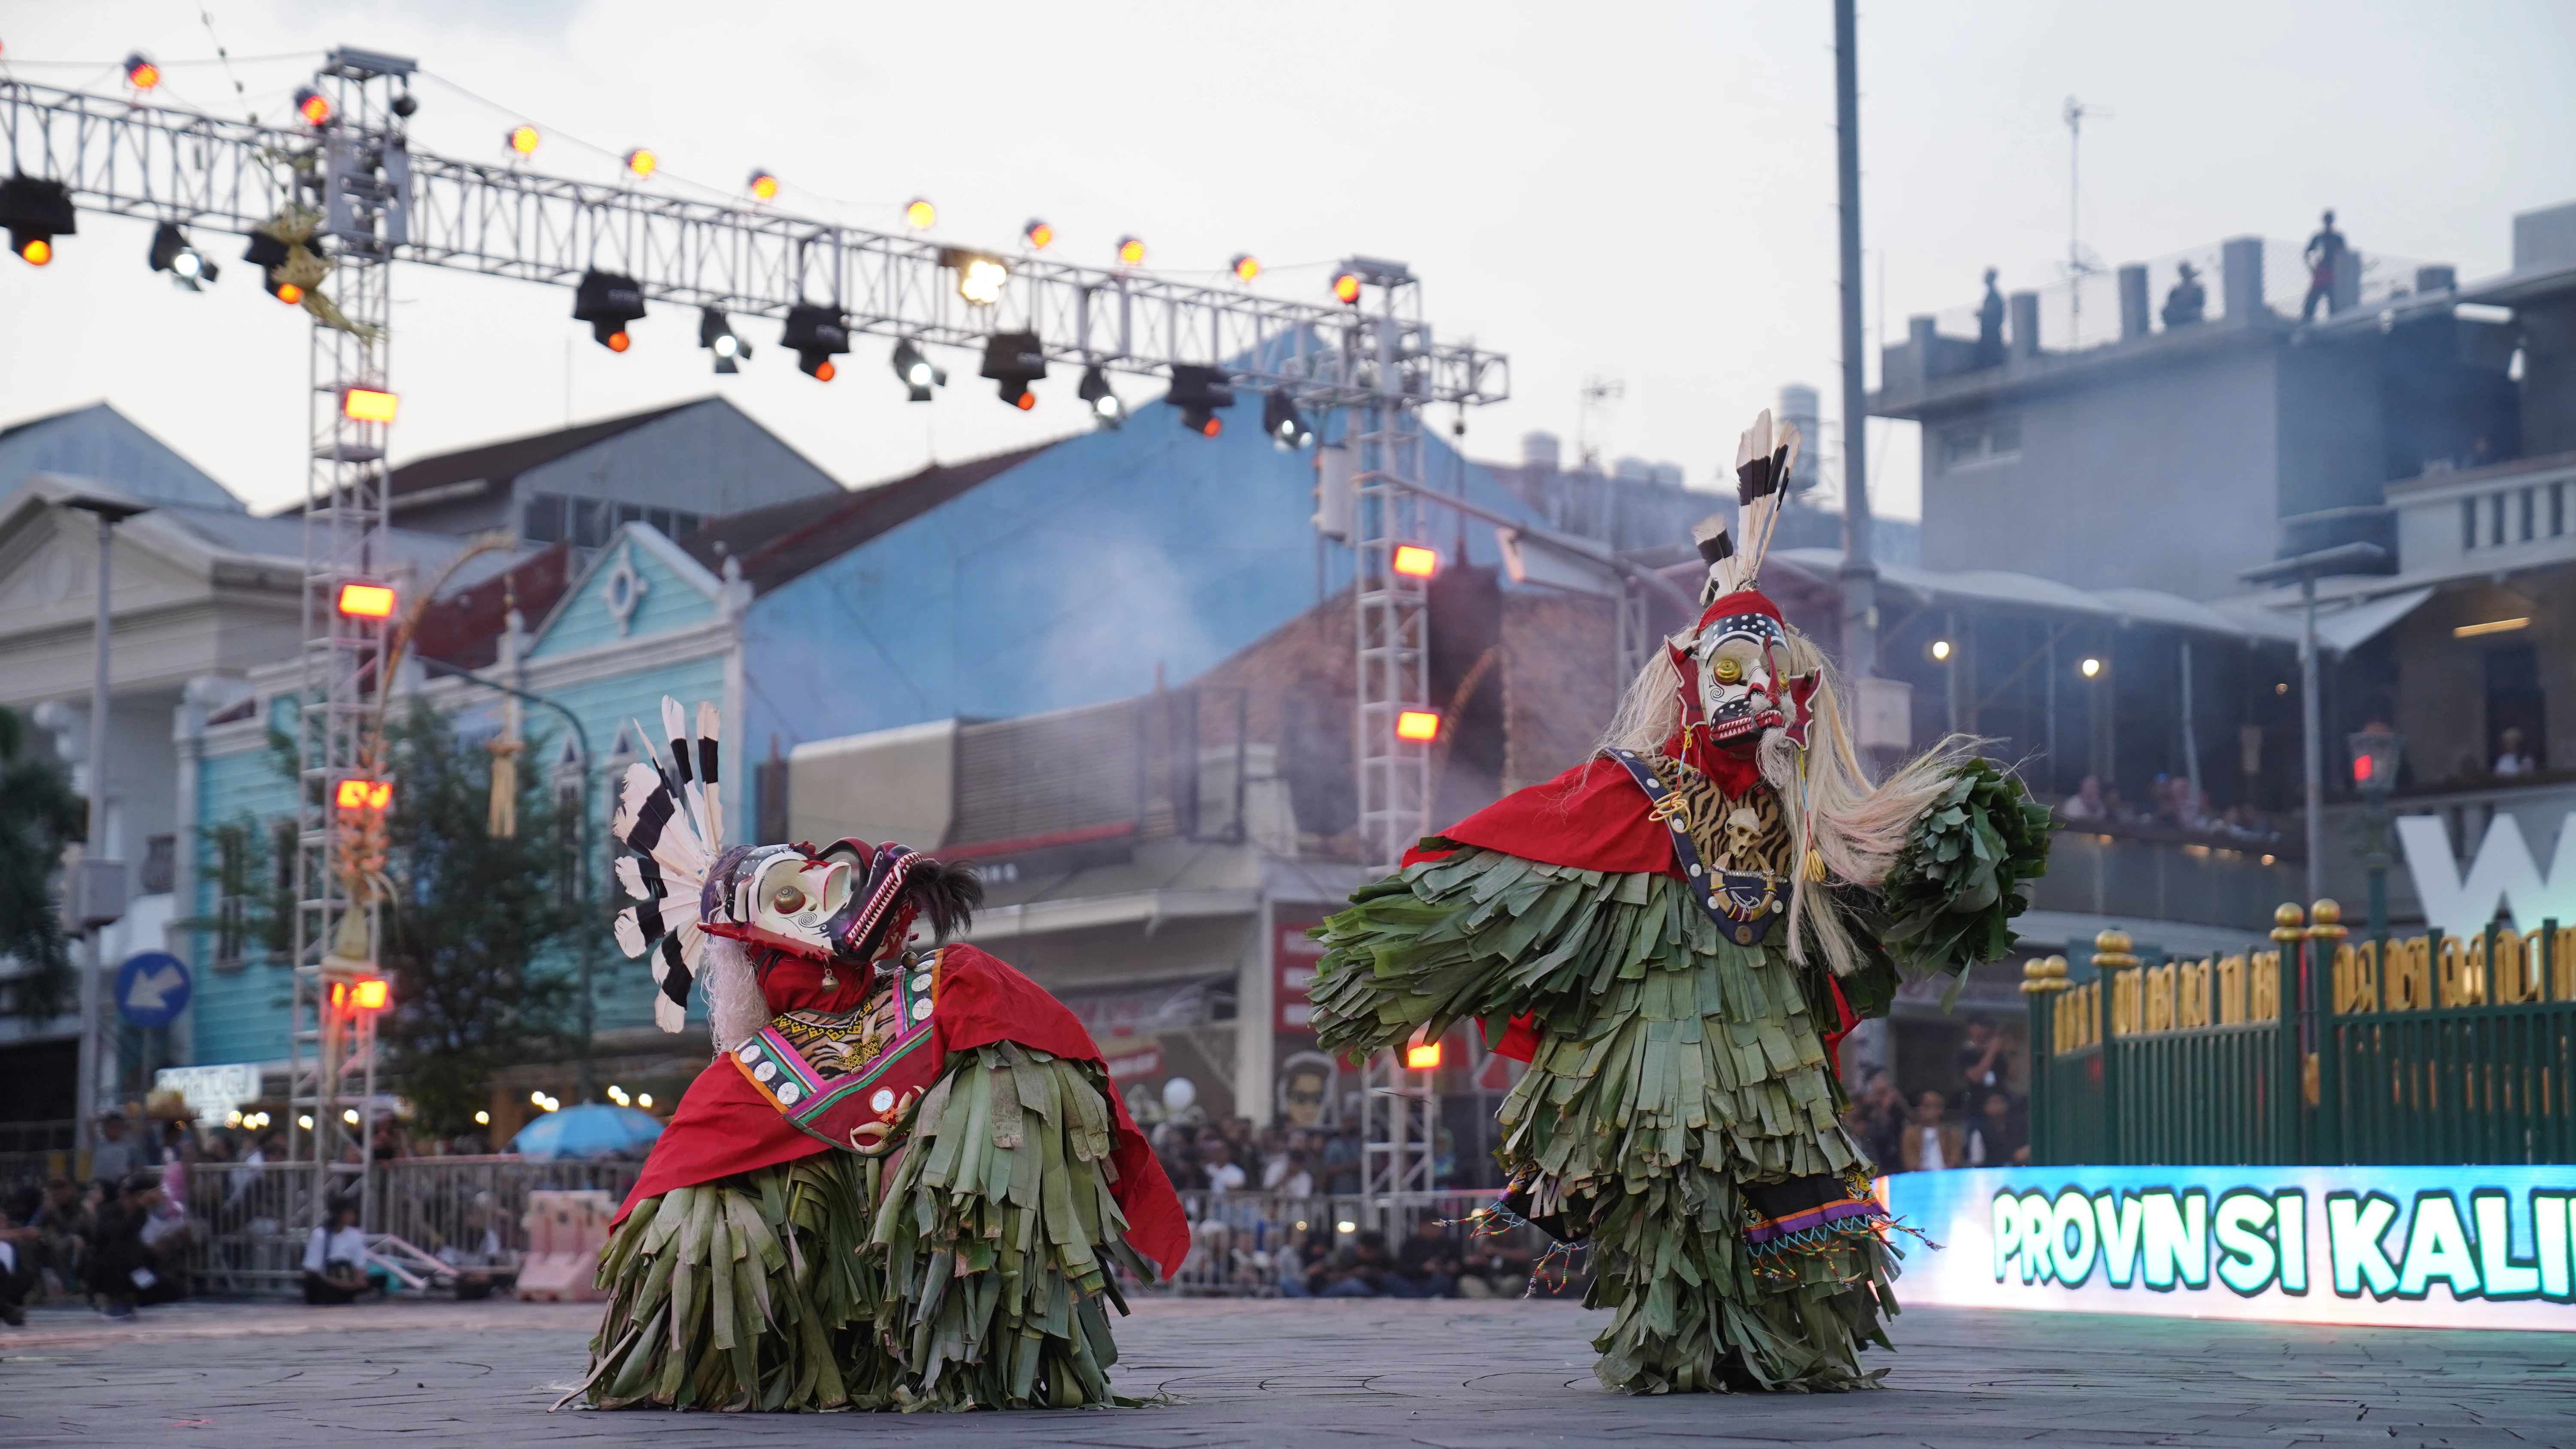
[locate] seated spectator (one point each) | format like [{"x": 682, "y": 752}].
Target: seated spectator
[
  {"x": 1362, "y": 1270},
  {"x": 125, "y": 1269},
  {"x": 2086, "y": 802},
  {"x": 2512, "y": 759},
  {"x": 335, "y": 1259},
  {"x": 1492, "y": 1273},
  {"x": 1299, "y": 1260},
  {"x": 21, "y": 1245},
  {"x": 1429, "y": 1261},
  {"x": 1933, "y": 1143},
  {"x": 58, "y": 1221},
  {"x": 1995, "y": 1139}
]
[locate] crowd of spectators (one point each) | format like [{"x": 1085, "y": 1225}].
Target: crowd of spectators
[
  {"x": 1979, "y": 1121},
  {"x": 2171, "y": 804},
  {"x": 1235, "y": 1156}
]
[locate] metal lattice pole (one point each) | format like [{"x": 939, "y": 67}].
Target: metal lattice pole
[{"x": 344, "y": 655}]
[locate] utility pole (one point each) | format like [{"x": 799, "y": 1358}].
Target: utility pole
[
  {"x": 100, "y": 881},
  {"x": 1859, "y": 574},
  {"x": 2304, "y": 570}
]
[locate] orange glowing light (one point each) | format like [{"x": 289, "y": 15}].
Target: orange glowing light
[
  {"x": 371, "y": 993},
  {"x": 642, "y": 161},
  {"x": 618, "y": 342},
  {"x": 1346, "y": 288},
  {"x": 1214, "y": 426},
  {"x": 523, "y": 139},
  {"x": 1246, "y": 268},
  {"x": 1421, "y": 726},
  {"x": 2360, "y": 769},
  {"x": 142, "y": 74},
  {"x": 357, "y": 794},
  {"x": 313, "y": 106},
  {"x": 37, "y": 251},
  {"x": 1038, "y": 234},
  {"x": 1415, "y": 562},
  {"x": 824, "y": 370},
  {"x": 1131, "y": 251},
  {"x": 764, "y": 187},
  {"x": 289, "y": 293},
  {"x": 366, "y": 601},
  {"x": 919, "y": 214},
  {"x": 367, "y": 405},
  {"x": 1423, "y": 1058},
  {"x": 1025, "y": 401}
]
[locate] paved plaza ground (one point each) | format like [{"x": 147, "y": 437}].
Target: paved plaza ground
[{"x": 1467, "y": 1374}]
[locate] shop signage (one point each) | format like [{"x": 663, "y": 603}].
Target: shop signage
[
  {"x": 2416, "y": 1247},
  {"x": 2505, "y": 876}
]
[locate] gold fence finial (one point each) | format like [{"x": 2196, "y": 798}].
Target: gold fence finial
[
  {"x": 2112, "y": 950},
  {"x": 2328, "y": 918},
  {"x": 2043, "y": 974},
  {"x": 2285, "y": 922}
]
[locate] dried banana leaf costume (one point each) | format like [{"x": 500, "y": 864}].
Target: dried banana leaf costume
[
  {"x": 1658, "y": 935},
  {"x": 902, "y": 1183}
]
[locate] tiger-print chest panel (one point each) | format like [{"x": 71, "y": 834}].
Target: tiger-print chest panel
[{"x": 1731, "y": 832}]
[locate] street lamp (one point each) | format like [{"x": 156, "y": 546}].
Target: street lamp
[
  {"x": 98, "y": 895},
  {"x": 2375, "y": 752},
  {"x": 2304, "y": 570}
]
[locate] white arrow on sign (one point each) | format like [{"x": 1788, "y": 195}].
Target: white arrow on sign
[{"x": 152, "y": 992}]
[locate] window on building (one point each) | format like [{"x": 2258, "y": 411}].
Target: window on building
[
  {"x": 590, "y": 523},
  {"x": 660, "y": 518},
  {"x": 684, "y": 524},
  {"x": 2468, "y": 523},
  {"x": 160, "y": 864},
  {"x": 1971, "y": 445},
  {"x": 542, "y": 520}
]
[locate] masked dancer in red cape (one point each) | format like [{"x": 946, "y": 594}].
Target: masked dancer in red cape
[
  {"x": 1674, "y": 936},
  {"x": 903, "y": 1182}
]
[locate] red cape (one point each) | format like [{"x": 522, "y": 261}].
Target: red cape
[{"x": 723, "y": 1126}]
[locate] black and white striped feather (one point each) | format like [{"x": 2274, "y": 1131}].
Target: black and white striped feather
[{"x": 668, "y": 818}]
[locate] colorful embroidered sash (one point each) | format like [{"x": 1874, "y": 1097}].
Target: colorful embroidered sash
[{"x": 846, "y": 1077}]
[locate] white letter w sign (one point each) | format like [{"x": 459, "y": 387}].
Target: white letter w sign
[{"x": 2503, "y": 875}]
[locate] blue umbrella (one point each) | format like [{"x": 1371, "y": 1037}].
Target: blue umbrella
[{"x": 593, "y": 1129}]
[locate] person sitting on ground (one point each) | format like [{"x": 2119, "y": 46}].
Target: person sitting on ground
[
  {"x": 59, "y": 1223},
  {"x": 21, "y": 1245},
  {"x": 1933, "y": 1143},
  {"x": 1297, "y": 1262},
  {"x": 124, "y": 1269},
  {"x": 1429, "y": 1260},
  {"x": 2086, "y": 802},
  {"x": 1363, "y": 1270},
  {"x": 1995, "y": 1139},
  {"x": 335, "y": 1259}
]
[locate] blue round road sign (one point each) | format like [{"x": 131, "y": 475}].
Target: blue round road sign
[{"x": 152, "y": 988}]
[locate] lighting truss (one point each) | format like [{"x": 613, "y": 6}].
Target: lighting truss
[{"x": 384, "y": 199}]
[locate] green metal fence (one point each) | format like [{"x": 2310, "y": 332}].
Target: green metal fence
[{"x": 2308, "y": 1048}]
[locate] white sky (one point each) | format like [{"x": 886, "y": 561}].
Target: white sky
[{"x": 1638, "y": 191}]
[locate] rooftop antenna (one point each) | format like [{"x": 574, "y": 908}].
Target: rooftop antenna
[
  {"x": 2080, "y": 263},
  {"x": 1596, "y": 391}
]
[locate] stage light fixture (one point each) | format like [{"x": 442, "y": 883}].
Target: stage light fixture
[
  {"x": 187, "y": 266},
  {"x": 1037, "y": 234},
  {"x": 523, "y": 140},
  {"x": 1281, "y": 420},
  {"x": 1095, "y": 394},
  {"x": 361, "y": 794},
  {"x": 980, "y": 278},
  {"x": 366, "y": 601},
  {"x": 1422, "y": 1058},
  {"x": 1244, "y": 266},
  {"x": 919, "y": 214},
  {"x": 641, "y": 161},
  {"x": 313, "y": 106},
  {"x": 1198, "y": 392},
  {"x": 1013, "y": 360},
  {"x": 368, "y": 405},
  {"x": 1940, "y": 651},
  {"x": 370, "y": 993},
  {"x": 915, "y": 370},
  {"x": 1131, "y": 252},
  {"x": 141, "y": 73},
  {"x": 764, "y": 186},
  {"x": 1414, "y": 561},
  {"x": 1421, "y": 726},
  {"x": 816, "y": 335},
  {"x": 35, "y": 212},
  {"x": 716, "y": 335},
  {"x": 2091, "y": 668},
  {"x": 1346, "y": 288},
  {"x": 608, "y": 301}
]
